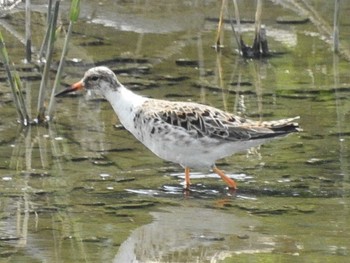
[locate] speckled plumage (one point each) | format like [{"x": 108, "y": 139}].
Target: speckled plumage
[{"x": 191, "y": 134}]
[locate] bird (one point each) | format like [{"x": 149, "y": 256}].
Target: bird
[{"x": 191, "y": 134}]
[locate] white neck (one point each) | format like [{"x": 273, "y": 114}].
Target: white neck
[{"x": 124, "y": 103}]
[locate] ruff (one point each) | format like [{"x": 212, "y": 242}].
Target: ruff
[{"x": 190, "y": 134}]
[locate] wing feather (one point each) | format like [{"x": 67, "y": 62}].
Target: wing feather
[{"x": 205, "y": 121}]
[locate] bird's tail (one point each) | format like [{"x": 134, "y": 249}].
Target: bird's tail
[{"x": 283, "y": 126}]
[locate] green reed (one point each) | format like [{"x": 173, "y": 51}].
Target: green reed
[
  {"x": 49, "y": 51},
  {"x": 46, "y": 50},
  {"x": 73, "y": 17},
  {"x": 15, "y": 84}
]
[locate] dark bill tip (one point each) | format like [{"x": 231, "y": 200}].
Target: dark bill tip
[{"x": 76, "y": 86}]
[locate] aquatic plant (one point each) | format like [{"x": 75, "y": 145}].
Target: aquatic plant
[
  {"x": 44, "y": 81},
  {"x": 42, "y": 113},
  {"x": 259, "y": 47},
  {"x": 260, "y": 44},
  {"x": 15, "y": 84},
  {"x": 73, "y": 17}
]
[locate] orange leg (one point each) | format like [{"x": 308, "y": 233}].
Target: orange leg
[
  {"x": 231, "y": 183},
  {"x": 187, "y": 178}
]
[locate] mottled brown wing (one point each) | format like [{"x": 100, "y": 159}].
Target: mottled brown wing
[{"x": 206, "y": 121}]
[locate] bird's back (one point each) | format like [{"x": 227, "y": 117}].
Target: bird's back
[{"x": 200, "y": 120}]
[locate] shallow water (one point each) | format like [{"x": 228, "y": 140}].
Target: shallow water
[{"x": 81, "y": 189}]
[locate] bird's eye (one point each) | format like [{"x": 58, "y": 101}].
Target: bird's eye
[{"x": 94, "y": 78}]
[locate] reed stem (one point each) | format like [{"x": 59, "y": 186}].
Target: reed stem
[
  {"x": 218, "y": 40},
  {"x": 19, "y": 89},
  {"x": 59, "y": 72},
  {"x": 73, "y": 17},
  {"x": 44, "y": 81},
  {"x": 47, "y": 33},
  {"x": 237, "y": 34},
  {"x": 336, "y": 26},
  {"x": 15, "y": 89},
  {"x": 28, "y": 32}
]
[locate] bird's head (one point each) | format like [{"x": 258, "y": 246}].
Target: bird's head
[{"x": 99, "y": 80}]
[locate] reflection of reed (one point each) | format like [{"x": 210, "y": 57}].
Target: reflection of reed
[
  {"x": 22, "y": 156},
  {"x": 219, "y": 78},
  {"x": 35, "y": 149},
  {"x": 22, "y": 161},
  {"x": 22, "y": 230},
  {"x": 258, "y": 86},
  {"x": 201, "y": 65},
  {"x": 239, "y": 105},
  {"x": 341, "y": 122},
  {"x": 24, "y": 140},
  {"x": 326, "y": 31}
]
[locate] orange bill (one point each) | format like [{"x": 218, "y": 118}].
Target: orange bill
[{"x": 76, "y": 86}]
